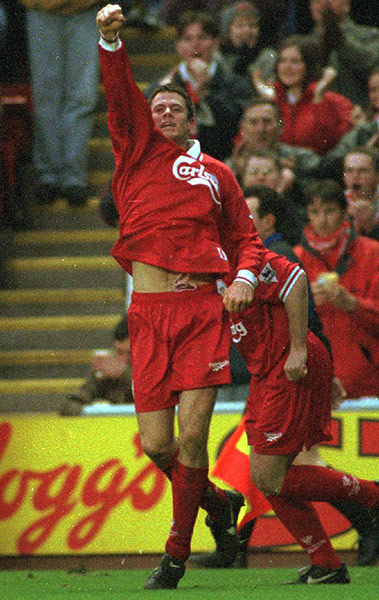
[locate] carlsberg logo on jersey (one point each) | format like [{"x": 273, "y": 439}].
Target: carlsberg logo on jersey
[{"x": 185, "y": 170}]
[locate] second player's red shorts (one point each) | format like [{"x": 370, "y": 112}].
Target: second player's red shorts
[
  {"x": 179, "y": 341},
  {"x": 283, "y": 416}
]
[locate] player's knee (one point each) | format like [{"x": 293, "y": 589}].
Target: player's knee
[
  {"x": 159, "y": 451},
  {"x": 192, "y": 444}
]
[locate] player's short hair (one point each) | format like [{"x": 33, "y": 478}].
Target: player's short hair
[
  {"x": 173, "y": 88},
  {"x": 270, "y": 202},
  {"x": 329, "y": 191}
]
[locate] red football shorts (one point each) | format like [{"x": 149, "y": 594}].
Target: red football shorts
[
  {"x": 179, "y": 341},
  {"x": 283, "y": 416}
]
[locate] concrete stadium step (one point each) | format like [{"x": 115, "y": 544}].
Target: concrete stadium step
[
  {"x": 36, "y": 395},
  {"x": 66, "y": 271},
  {"x": 57, "y": 332},
  {"x": 27, "y": 364},
  {"x": 62, "y": 216},
  {"x": 59, "y": 302},
  {"x": 84, "y": 242}
]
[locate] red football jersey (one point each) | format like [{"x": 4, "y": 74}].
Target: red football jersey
[
  {"x": 176, "y": 208},
  {"x": 261, "y": 331}
]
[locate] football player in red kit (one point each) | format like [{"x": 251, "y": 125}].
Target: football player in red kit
[
  {"x": 177, "y": 207},
  {"x": 289, "y": 408}
]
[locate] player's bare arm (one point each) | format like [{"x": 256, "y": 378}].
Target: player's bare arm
[
  {"x": 109, "y": 21},
  {"x": 296, "y": 305}
]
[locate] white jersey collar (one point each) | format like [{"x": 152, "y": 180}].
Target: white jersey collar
[{"x": 195, "y": 149}]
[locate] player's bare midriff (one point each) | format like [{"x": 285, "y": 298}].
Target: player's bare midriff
[{"x": 150, "y": 279}]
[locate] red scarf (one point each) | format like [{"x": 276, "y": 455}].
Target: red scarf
[{"x": 331, "y": 247}]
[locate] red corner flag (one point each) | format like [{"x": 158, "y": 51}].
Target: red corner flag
[{"x": 232, "y": 467}]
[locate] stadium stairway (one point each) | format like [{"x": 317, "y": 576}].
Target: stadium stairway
[{"x": 67, "y": 293}]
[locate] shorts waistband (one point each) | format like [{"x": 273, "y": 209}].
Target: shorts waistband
[{"x": 185, "y": 295}]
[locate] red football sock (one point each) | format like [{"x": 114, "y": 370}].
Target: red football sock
[
  {"x": 214, "y": 498},
  {"x": 321, "y": 484},
  {"x": 302, "y": 521},
  {"x": 188, "y": 486}
]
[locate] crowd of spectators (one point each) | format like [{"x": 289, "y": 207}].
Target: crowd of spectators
[{"x": 286, "y": 93}]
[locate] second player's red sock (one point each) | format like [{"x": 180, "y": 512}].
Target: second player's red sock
[
  {"x": 302, "y": 521},
  {"x": 188, "y": 485},
  {"x": 321, "y": 484}
]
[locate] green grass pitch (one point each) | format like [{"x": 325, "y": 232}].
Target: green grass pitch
[{"x": 197, "y": 584}]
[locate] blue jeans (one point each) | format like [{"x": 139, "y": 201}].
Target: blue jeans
[{"x": 64, "y": 65}]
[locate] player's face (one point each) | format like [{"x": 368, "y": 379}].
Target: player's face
[
  {"x": 196, "y": 43},
  {"x": 244, "y": 30},
  {"x": 170, "y": 115},
  {"x": 373, "y": 91},
  {"x": 325, "y": 217},
  {"x": 122, "y": 349},
  {"x": 261, "y": 171},
  {"x": 260, "y": 126},
  {"x": 359, "y": 175},
  {"x": 291, "y": 67}
]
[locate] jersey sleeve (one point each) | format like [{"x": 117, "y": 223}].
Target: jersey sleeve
[
  {"x": 129, "y": 115},
  {"x": 239, "y": 237},
  {"x": 276, "y": 278}
]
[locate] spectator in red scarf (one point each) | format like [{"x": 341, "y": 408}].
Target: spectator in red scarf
[{"x": 343, "y": 269}]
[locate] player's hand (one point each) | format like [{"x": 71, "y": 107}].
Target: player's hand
[
  {"x": 338, "y": 393},
  {"x": 295, "y": 366},
  {"x": 238, "y": 296},
  {"x": 109, "y": 21}
]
